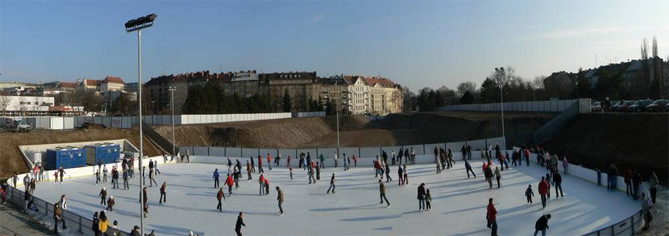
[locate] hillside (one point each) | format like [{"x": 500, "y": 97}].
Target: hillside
[
  {"x": 358, "y": 131},
  {"x": 12, "y": 161},
  {"x": 628, "y": 140}
]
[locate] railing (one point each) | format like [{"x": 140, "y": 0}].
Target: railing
[
  {"x": 362, "y": 152},
  {"x": 81, "y": 224},
  {"x": 546, "y": 132},
  {"x": 627, "y": 226}
]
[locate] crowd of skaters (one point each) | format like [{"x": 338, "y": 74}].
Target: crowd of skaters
[{"x": 443, "y": 160}]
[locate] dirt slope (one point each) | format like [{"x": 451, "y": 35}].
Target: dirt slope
[
  {"x": 358, "y": 131},
  {"x": 629, "y": 140},
  {"x": 12, "y": 161}
]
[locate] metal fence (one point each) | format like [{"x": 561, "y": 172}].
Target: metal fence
[
  {"x": 82, "y": 224},
  {"x": 362, "y": 152},
  {"x": 529, "y": 106}
]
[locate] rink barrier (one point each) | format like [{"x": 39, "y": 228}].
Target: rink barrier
[
  {"x": 527, "y": 106},
  {"x": 45, "y": 215},
  {"x": 628, "y": 226},
  {"x": 328, "y": 152}
]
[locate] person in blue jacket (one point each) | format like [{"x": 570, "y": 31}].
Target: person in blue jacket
[{"x": 216, "y": 175}]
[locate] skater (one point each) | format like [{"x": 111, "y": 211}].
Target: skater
[
  {"x": 421, "y": 197},
  {"x": 229, "y": 182},
  {"x": 104, "y": 174},
  {"x": 549, "y": 182},
  {"x": 163, "y": 193},
  {"x": 332, "y": 184},
  {"x": 253, "y": 165},
  {"x": 62, "y": 204},
  {"x": 492, "y": 217},
  {"x": 335, "y": 159},
  {"x": 498, "y": 175},
  {"x": 155, "y": 166},
  {"x": 126, "y": 186},
  {"x": 529, "y": 194},
  {"x": 269, "y": 160},
  {"x": 636, "y": 181},
  {"x": 388, "y": 179},
  {"x": 277, "y": 159},
  {"x": 311, "y": 173},
  {"x": 57, "y": 216},
  {"x": 216, "y": 176},
  {"x": 261, "y": 181},
  {"x": 565, "y": 165},
  {"x": 103, "y": 196},
  {"x": 266, "y": 186},
  {"x": 152, "y": 180},
  {"x": 488, "y": 174},
  {"x": 542, "y": 225},
  {"x": 543, "y": 189},
  {"x": 652, "y": 183},
  {"x": 382, "y": 193},
  {"x": 399, "y": 156},
  {"x": 95, "y": 227},
  {"x": 145, "y": 197},
  {"x": 260, "y": 170},
  {"x": 115, "y": 177},
  {"x": 557, "y": 183},
  {"x": 110, "y": 203},
  {"x": 236, "y": 175},
  {"x": 291, "y": 172},
  {"x": 239, "y": 224},
  {"x": 279, "y": 199},
  {"x": 248, "y": 169},
  {"x": 345, "y": 162},
  {"x": 645, "y": 210},
  {"x": 628, "y": 182},
  {"x": 400, "y": 173},
  {"x": 97, "y": 177},
  {"x": 220, "y": 196},
  {"x": 61, "y": 171},
  {"x": 288, "y": 161},
  {"x": 527, "y": 156},
  {"x": 321, "y": 158},
  {"x": 318, "y": 171},
  {"x": 468, "y": 167},
  {"x": 463, "y": 150},
  {"x": 428, "y": 200},
  {"x": 406, "y": 175},
  {"x": 229, "y": 164}
]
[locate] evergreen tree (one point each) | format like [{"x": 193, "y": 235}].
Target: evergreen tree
[{"x": 287, "y": 104}]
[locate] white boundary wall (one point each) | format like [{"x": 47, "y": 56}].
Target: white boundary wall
[{"x": 529, "y": 106}]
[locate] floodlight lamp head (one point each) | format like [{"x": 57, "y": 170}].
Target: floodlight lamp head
[{"x": 140, "y": 23}]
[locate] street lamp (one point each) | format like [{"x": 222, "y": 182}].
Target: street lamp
[
  {"x": 501, "y": 80},
  {"x": 337, "y": 110},
  {"x": 172, "y": 89},
  {"x": 130, "y": 26}
]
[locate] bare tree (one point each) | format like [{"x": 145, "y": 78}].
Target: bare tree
[
  {"x": 466, "y": 86},
  {"x": 4, "y": 103},
  {"x": 538, "y": 82}
]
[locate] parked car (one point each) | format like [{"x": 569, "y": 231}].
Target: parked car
[
  {"x": 658, "y": 105},
  {"x": 623, "y": 107},
  {"x": 615, "y": 105},
  {"x": 640, "y": 105},
  {"x": 596, "y": 106}
]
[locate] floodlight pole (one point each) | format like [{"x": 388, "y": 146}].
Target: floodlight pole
[
  {"x": 172, "y": 89},
  {"x": 141, "y": 134},
  {"x": 337, "y": 110},
  {"x": 137, "y": 25}
]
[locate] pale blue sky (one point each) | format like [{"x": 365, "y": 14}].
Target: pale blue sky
[{"x": 418, "y": 44}]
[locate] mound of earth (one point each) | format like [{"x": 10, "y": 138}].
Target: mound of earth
[
  {"x": 629, "y": 140},
  {"x": 358, "y": 131},
  {"x": 11, "y": 158}
]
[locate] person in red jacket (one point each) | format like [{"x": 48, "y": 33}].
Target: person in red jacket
[
  {"x": 260, "y": 170},
  {"x": 229, "y": 182},
  {"x": 220, "y": 196},
  {"x": 543, "y": 190},
  {"x": 492, "y": 217},
  {"x": 628, "y": 181},
  {"x": 266, "y": 186},
  {"x": 269, "y": 160},
  {"x": 261, "y": 181}
]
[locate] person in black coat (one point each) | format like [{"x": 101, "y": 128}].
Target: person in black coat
[
  {"x": 557, "y": 181},
  {"x": 636, "y": 181},
  {"x": 239, "y": 224},
  {"x": 421, "y": 197},
  {"x": 542, "y": 225}
]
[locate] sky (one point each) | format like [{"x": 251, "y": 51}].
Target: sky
[{"x": 414, "y": 43}]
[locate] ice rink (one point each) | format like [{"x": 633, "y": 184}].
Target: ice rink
[{"x": 458, "y": 206}]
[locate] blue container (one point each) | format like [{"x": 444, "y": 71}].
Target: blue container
[
  {"x": 104, "y": 153},
  {"x": 66, "y": 158}
]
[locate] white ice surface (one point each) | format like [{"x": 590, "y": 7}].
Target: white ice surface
[{"x": 458, "y": 206}]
